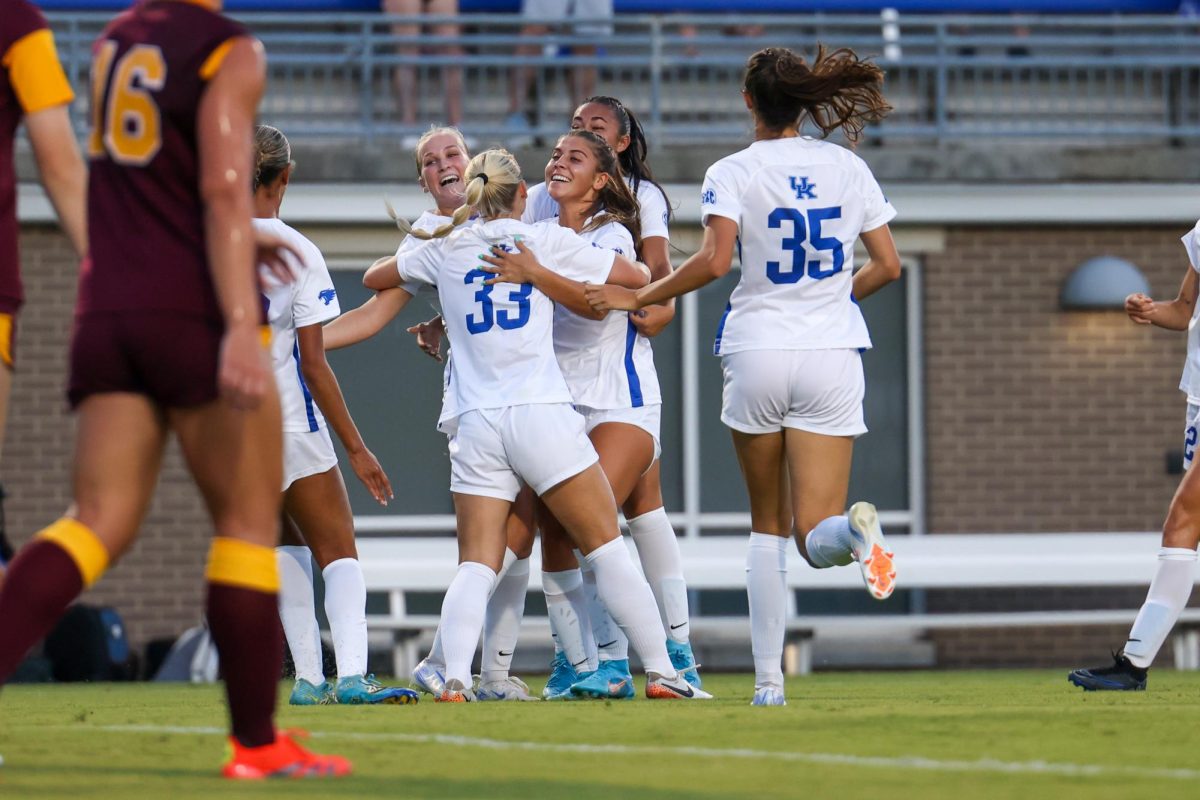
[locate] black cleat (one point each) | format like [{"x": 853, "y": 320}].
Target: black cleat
[{"x": 1122, "y": 676}]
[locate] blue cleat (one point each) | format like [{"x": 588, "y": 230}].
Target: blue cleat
[
  {"x": 683, "y": 661},
  {"x": 1122, "y": 676},
  {"x": 562, "y": 675},
  {"x": 768, "y": 696},
  {"x": 428, "y": 678},
  {"x": 611, "y": 682},
  {"x": 356, "y": 690},
  {"x": 305, "y": 693}
]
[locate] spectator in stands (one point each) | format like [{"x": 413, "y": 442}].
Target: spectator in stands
[
  {"x": 538, "y": 15},
  {"x": 404, "y": 79}
]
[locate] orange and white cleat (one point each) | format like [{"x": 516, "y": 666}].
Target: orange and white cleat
[
  {"x": 283, "y": 758},
  {"x": 659, "y": 687},
  {"x": 876, "y": 561},
  {"x": 455, "y": 692}
]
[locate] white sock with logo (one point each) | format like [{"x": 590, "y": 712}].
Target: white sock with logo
[
  {"x": 766, "y": 585},
  {"x": 1168, "y": 595},
  {"x": 298, "y": 612},
  {"x": 629, "y": 599},
  {"x": 658, "y": 550},
  {"x": 436, "y": 658},
  {"x": 567, "y": 609},
  {"x": 463, "y": 610},
  {"x": 502, "y": 623},
  {"x": 346, "y": 608}
]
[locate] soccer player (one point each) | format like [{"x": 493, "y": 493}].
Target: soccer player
[
  {"x": 1172, "y": 584},
  {"x": 658, "y": 548},
  {"x": 166, "y": 339},
  {"x": 511, "y": 419},
  {"x": 791, "y": 335},
  {"x": 315, "y": 502},
  {"x": 33, "y": 89}
]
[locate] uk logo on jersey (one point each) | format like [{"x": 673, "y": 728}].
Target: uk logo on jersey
[
  {"x": 708, "y": 198},
  {"x": 327, "y": 295},
  {"x": 803, "y": 189}
]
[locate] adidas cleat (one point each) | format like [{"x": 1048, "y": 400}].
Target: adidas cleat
[
  {"x": 510, "y": 688},
  {"x": 456, "y": 692},
  {"x": 428, "y": 678},
  {"x": 768, "y": 696},
  {"x": 283, "y": 758},
  {"x": 356, "y": 690},
  {"x": 1122, "y": 676},
  {"x": 659, "y": 687},
  {"x": 683, "y": 660},
  {"x": 562, "y": 676},
  {"x": 612, "y": 681},
  {"x": 306, "y": 693},
  {"x": 870, "y": 551}
]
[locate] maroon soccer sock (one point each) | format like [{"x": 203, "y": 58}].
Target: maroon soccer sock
[{"x": 40, "y": 583}]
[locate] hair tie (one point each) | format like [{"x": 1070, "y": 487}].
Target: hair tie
[{"x": 483, "y": 177}]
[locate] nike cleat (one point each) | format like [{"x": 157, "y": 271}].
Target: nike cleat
[
  {"x": 428, "y": 678},
  {"x": 356, "y": 690},
  {"x": 611, "y": 681},
  {"x": 283, "y": 758},
  {"x": 1122, "y": 676},
  {"x": 768, "y": 696},
  {"x": 659, "y": 687},
  {"x": 456, "y": 692},
  {"x": 870, "y": 551},
  {"x": 306, "y": 693},
  {"x": 683, "y": 660},
  {"x": 510, "y": 688},
  {"x": 562, "y": 676}
]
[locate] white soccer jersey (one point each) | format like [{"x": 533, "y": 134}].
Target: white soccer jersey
[
  {"x": 607, "y": 363},
  {"x": 309, "y": 300},
  {"x": 654, "y": 214},
  {"x": 1190, "y": 382},
  {"x": 428, "y": 222},
  {"x": 503, "y": 333},
  {"x": 800, "y": 204}
]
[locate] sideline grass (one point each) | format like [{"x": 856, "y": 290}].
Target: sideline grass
[{"x": 981, "y": 735}]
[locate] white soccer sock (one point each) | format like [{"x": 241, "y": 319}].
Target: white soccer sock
[
  {"x": 346, "y": 607},
  {"x": 611, "y": 644},
  {"x": 629, "y": 599},
  {"x": 1169, "y": 593},
  {"x": 766, "y": 585},
  {"x": 298, "y": 611},
  {"x": 502, "y": 622},
  {"x": 658, "y": 550},
  {"x": 567, "y": 609},
  {"x": 436, "y": 658},
  {"x": 829, "y": 543},
  {"x": 463, "y": 610}
]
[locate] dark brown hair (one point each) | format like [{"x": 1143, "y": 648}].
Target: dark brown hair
[
  {"x": 839, "y": 90},
  {"x": 615, "y": 202},
  {"x": 632, "y": 158}
]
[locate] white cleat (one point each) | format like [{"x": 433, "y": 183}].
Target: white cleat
[
  {"x": 428, "y": 678},
  {"x": 676, "y": 688},
  {"x": 768, "y": 696},
  {"x": 510, "y": 688},
  {"x": 871, "y": 552}
]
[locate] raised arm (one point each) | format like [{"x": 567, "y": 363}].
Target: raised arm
[
  {"x": 225, "y": 125},
  {"x": 363, "y": 322},
  {"x": 1174, "y": 315}
]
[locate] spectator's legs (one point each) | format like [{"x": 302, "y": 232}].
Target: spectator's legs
[
  {"x": 404, "y": 78},
  {"x": 452, "y": 77},
  {"x": 522, "y": 77}
]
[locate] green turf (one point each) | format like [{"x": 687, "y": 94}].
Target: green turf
[{"x": 67, "y": 741}]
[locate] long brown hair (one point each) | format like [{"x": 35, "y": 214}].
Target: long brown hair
[
  {"x": 839, "y": 90},
  {"x": 615, "y": 201}
]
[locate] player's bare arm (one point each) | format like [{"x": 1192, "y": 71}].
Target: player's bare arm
[
  {"x": 61, "y": 168},
  {"x": 1173, "y": 315},
  {"x": 653, "y": 319},
  {"x": 883, "y": 263},
  {"x": 360, "y": 324}
]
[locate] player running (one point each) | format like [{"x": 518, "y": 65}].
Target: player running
[
  {"x": 167, "y": 338},
  {"x": 504, "y": 355},
  {"x": 790, "y": 338},
  {"x": 315, "y": 504},
  {"x": 1172, "y": 584}
]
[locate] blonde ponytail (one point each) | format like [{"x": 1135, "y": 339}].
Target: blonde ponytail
[{"x": 492, "y": 180}]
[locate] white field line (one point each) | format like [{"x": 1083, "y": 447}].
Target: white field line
[{"x": 988, "y": 765}]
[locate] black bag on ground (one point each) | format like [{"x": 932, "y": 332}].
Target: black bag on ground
[{"x": 89, "y": 644}]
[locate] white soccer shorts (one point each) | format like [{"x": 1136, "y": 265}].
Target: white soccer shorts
[
  {"x": 819, "y": 391},
  {"x": 648, "y": 418},
  {"x": 495, "y": 449},
  {"x": 306, "y": 453}
]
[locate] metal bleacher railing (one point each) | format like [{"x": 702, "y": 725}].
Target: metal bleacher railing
[{"x": 1094, "y": 78}]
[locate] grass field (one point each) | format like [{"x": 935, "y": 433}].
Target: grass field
[{"x": 928, "y": 735}]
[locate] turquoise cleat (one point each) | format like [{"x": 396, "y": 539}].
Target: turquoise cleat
[
  {"x": 357, "y": 690},
  {"x": 305, "y": 693},
  {"x": 562, "y": 675},
  {"x": 683, "y": 661},
  {"x": 611, "y": 682}
]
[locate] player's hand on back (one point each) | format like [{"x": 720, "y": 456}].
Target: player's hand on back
[
  {"x": 429, "y": 337},
  {"x": 1139, "y": 307},
  {"x": 510, "y": 267},
  {"x": 368, "y": 469},
  {"x": 244, "y": 373},
  {"x": 652, "y": 320},
  {"x": 269, "y": 251}
]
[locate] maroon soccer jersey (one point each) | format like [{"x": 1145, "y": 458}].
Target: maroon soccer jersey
[
  {"x": 150, "y": 67},
  {"x": 31, "y": 79}
]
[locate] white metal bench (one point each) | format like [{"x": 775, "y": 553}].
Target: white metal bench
[{"x": 399, "y": 566}]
